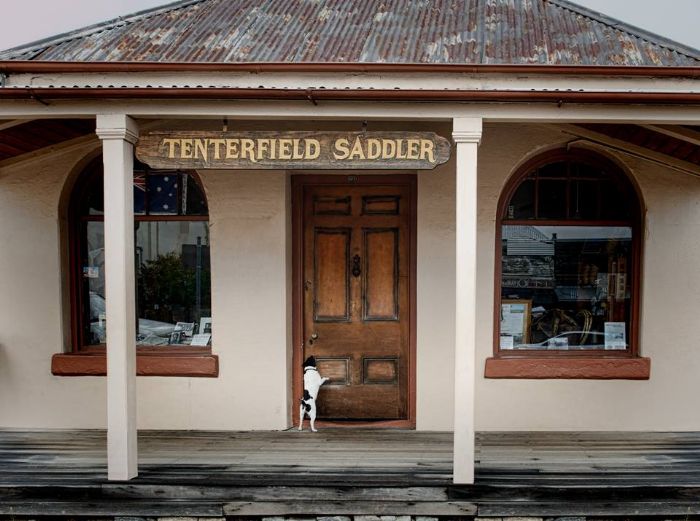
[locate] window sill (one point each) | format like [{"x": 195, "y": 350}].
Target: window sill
[
  {"x": 147, "y": 364},
  {"x": 599, "y": 368}
]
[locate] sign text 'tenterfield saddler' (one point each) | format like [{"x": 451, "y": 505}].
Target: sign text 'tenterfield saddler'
[{"x": 291, "y": 150}]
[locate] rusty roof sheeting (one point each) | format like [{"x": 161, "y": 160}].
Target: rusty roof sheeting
[{"x": 546, "y": 32}]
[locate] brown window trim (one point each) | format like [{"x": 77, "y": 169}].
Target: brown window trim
[
  {"x": 594, "y": 364},
  {"x": 93, "y": 362},
  {"x": 587, "y": 368},
  {"x": 90, "y": 360}
]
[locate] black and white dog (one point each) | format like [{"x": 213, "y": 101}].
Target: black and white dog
[{"x": 312, "y": 383}]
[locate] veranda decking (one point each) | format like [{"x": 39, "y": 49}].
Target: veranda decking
[{"x": 348, "y": 471}]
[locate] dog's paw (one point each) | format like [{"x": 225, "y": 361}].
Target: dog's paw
[{"x": 314, "y": 430}]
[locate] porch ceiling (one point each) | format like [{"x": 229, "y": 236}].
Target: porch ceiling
[
  {"x": 675, "y": 143},
  {"x": 23, "y": 137}
]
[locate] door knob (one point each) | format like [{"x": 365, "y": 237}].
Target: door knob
[
  {"x": 356, "y": 269},
  {"x": 313, "y": 337}
]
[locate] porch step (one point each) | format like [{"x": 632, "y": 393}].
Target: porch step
[
  {"x": 273, "y": 493},
  {"x": 311, "y": 507}
]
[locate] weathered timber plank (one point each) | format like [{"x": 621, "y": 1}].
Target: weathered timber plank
[
  {"x": 110, "y": 508},
  {"x": 588, "y": 509},
  {"x": 278, "y": 493},
  {"x": 280, "y": 508}
]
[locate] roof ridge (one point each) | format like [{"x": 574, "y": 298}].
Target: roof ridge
[
  {"x": 89, "y": 30},
  {"x": 620, "y": 25}
]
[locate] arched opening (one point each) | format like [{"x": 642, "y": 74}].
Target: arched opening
[
  {"x": 173, "y": 281},
  {"x": 568, "y": 259}
]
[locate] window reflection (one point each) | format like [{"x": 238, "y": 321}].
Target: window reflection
[
  {"x": 565, "y": 287},
  {"x": 172, "y": 265}
]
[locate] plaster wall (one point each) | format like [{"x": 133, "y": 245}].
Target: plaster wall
[
  {"x": 249, "y": 258},
  {"x": 250, "y": 235},
  {"x": 670, "y": 285}
]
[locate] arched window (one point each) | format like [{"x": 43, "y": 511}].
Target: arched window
[
  {"x": 568, "y": 259},
  {"x": 171, "y": 230}
]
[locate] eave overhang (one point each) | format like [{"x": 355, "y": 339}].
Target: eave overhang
[
  {"x": 349, "y": 81},
  {"x": 316, "y": 95}
]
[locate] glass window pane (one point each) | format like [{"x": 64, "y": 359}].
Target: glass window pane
[
  {"x": 574, "y": 282},
  {"x": 615, "y": 206},
  {"x": 583, "y": 170},
  {"x": 92, "y": 197},
  {"x": 553, "y": 170},
  {"x": 584, "y": 200},
  {"x": 193, "y": 200},
  {"x": 93, "y": 283},
  {"x": 522, "y": 204},
  {"x": 552, "y": 200},
  {"x": 174, "y": 282}
]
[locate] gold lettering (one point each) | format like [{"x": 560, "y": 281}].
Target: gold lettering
[
  {"x": 263, "y": 146},
  {"x": 297, "y": 151},
  {"x": 285, "y": 149},
  {"x": 200, "y": 148},
  {"x": 427, "y": 150},
  {"x": 388, "y": 148},
  {"x": 313, "y": 149},
  {"x": 248, "y": 149},
  {"x": 357, "y": 150},
  {"x": 412, "y": 145},
  {"x": 342, "y": 148},
  {"x": 374, "y": 149},
  {"x": 231, "y": 149},
  {"x": 171, "y": 146},
  {"x": 216, "y": 143},
  {"x": 400, "y": 152},
  {"x": 273, "y": 149},
  {"x": 186, "y": 149}
]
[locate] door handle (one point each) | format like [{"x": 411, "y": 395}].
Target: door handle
[{"x": 313, "y": 338}]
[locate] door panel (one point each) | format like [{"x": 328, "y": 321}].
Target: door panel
[
  {"x": 356, "y": 270},
  {"x": 381, "y": 274},
  {"x": 332, "y": 279}
]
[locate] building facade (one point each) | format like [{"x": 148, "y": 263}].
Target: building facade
[{"x": 541, "y": 278}]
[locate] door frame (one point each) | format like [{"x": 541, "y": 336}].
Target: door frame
[{"x": 299, "y": 182}]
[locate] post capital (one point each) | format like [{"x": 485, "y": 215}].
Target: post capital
[
  {"x": 467, "y": 130},
  {"x": 117, "y": 126}
]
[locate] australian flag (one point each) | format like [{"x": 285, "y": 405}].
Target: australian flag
[
  {"x": 162, "y": 194},
  {"x": 139, "y": 193}
]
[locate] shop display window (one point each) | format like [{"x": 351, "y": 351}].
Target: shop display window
[
  {"x": 173, "y": 281},
  {"x": 568, "y": 260}
]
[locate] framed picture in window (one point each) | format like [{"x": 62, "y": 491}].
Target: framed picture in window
[
  {"x": 205, "y": 325},
  {"x": 515, "y": 323}
]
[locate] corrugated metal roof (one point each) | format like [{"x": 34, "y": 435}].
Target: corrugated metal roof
[{"x": 550, "y": 32}]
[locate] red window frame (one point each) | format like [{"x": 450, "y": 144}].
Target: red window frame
[
  {"x": 594, "y": 363},
  {"x": 84, "y": 359}
]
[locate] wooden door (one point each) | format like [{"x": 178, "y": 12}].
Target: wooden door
[{"x": 356, "y": 279}]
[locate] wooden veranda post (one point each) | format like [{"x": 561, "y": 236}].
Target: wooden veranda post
[
  {"x": 118, "y": 133},
  {"x": 466, "y": 133}
]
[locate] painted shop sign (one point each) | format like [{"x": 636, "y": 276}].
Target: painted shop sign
[{"x": 288, "y": 150}]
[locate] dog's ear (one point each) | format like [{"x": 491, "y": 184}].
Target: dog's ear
[{"x": 310, "y": 362}]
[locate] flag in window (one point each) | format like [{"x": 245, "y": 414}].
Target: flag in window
[{"x": 162, "y": 194}]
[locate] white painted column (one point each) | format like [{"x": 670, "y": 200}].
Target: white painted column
[
  {"x": 118, "y": 133},
  {"x": 466, "y": 133}
]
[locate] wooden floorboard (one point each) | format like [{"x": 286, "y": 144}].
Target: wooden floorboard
[{"x": 345, "y": 471}]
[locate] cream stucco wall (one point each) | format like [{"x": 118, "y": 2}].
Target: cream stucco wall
[{"x": 250, "y": 241}]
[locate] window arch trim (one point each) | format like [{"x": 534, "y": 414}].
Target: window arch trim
[
  {"x": 82, "y": 359},
  {"x": 593, "y": 363}
]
